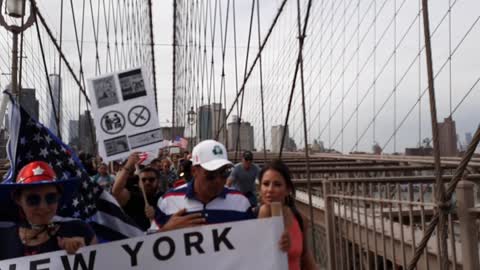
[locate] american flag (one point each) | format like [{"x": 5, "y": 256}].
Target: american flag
[
  {"x": 180, "y": 142},
  {"x": 31, "y": 141}
]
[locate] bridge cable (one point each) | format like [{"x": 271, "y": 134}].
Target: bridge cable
[
  {"x": 223, "y": 40},
  {"x": 80, "y": 56},
  {"x": 242, "y": 88},
  {"x": 237, "y": 144},
  {"x": 261, "y": 86},
  {"x": 55, "y": 112},
  {"x": 174, "y": 63},
  {"x": 302, "y": 35},
  {"x": 52, "y": 38},
  {"x": 440, "y": 195},
  {"x": 20, "y": 64}
]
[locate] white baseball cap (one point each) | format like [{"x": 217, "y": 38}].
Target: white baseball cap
[{"x": 210, "y": 154}]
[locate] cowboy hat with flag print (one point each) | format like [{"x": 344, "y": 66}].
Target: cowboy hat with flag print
[{"x": 34, "y": 174}]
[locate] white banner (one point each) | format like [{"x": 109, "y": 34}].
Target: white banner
[
  {"x": 249, "y": 245},
  {"x": 123, "y": 106}
]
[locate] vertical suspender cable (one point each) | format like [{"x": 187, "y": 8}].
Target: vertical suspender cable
[
  {"x": 261, "y": 87},
  {"x": 237, "y": 144},
  {"x": 152, "y": 48},
  {"x": 252, "y": 66},
  {"x": 55, "y": 110},
  {"x": 174, "y": 64},
  {"x": 20, "y": 60},
  {"x": 301, "y": 39},
  {"x": 235, "y": 54}
]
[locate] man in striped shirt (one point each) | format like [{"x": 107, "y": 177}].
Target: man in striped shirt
[{"x": 205, "y": 200}]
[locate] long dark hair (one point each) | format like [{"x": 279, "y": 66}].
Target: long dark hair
[{"x": 280, "y": 167}]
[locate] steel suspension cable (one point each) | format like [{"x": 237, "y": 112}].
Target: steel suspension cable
[
  {"x": 301, "y": 39},
  {"x": 237, "y": 143},
  {"x": 52, "y": 38},
  {"x": 54, "y": 106},
  {"x": 242, "y": 88},
  {"x": 260, "y": 68}
]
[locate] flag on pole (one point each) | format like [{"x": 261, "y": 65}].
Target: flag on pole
[
  {"x": 180, "y": 142},
  {"x": 30, "y": 141}
]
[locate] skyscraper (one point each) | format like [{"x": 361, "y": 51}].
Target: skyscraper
[
  {"x": 87, "y": 133},
  {"x": 204, "y": 123},
  {"x": 447, "y": 135},
  {"x": 468, "y": 138},
  {"x": 73, "y": 135},
  {"x": 277, "y": 133},
  {"x": 29, "y": 102},
  {"x": 56, "y": 87},
  {"x": 245, "y": 136},
  {"x": 210, "y": 120}
]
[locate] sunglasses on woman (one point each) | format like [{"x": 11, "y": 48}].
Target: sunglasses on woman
[
  {"x": 223, "y": 173},
  {"x": 34, "y": 200}
]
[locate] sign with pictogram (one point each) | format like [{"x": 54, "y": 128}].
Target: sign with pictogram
[
  {"x": 123, "y": 107},
  {"x": 113, "y": 122},
  {"x": 139, "y": 116}
]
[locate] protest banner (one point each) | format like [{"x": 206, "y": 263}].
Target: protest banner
[
  {"x": 123, "y": 106},
  {"x": 249, "y": 245}
]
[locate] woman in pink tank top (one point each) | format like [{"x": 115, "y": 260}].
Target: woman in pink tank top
[{"x": 276, "y": 186}]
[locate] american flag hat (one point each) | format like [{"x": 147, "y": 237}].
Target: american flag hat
[{"x": 38, "y": 173}]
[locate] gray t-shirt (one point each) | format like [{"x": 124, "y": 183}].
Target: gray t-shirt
[{"x": 244, "y": 180}]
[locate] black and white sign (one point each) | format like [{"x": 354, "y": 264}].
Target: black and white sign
[
  {"x": 132, "y": 84},
  {"x": 125, "y": 115},
  {"x": 113, "y": 122},
  {"x": 240, "y": 245},
  {"x": 116, "y": 145},
  {"x": 105, "y": 92},
  {"x": 145, "y": 138},
  {"x": 139, "y": 116}
]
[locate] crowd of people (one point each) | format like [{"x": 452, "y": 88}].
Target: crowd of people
[{"x": 171, "y": 192}]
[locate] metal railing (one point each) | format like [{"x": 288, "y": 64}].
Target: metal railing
[{"x": 377, "y": 223}]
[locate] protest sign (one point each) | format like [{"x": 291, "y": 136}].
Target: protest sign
[
  {"x": 123, "y": 106},
  {"x": 249, "y": 244}
]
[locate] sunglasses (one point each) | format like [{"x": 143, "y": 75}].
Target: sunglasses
[
  {"x": 149, "y": 179},
  {"x": 222, "y": 173},
  {"x": 34, "y": 200}
]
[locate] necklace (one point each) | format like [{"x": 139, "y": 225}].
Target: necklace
[{"x": 50, "y": 230}]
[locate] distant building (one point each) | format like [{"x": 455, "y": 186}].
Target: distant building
[
  {"x": 29, "y": 103},
  {"x": 56, "y": 86},
  {"x": 87, "y": 133},
  {"x": 210, "y": 120},
  {"x": 447, "y": 136},
  {"x": 419, "y": 151},
  {"x": 468, "y": 138},
  {"x": 73, "y": 136},
  {"x": 291, "y": 145},
  {"x": 277, "y": 134},
  {"x": 244, "y": 136},
  {"x": 167, "y": 132},
  {"x": 317, "y": 146}
]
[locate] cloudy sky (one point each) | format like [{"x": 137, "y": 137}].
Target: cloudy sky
[{"x": 360, "y": 86}]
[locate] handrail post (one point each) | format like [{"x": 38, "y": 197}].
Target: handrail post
[
  {"x": 468, "y": 229},
  {"x": 329, "y": 225}
]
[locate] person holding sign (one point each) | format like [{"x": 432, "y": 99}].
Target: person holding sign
[
  {"x": 276, "y": 186},
  {"x": 137, "y": 201},
  {"x": 206, "y": 199},
  {"x": 38, "y": 193}
]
